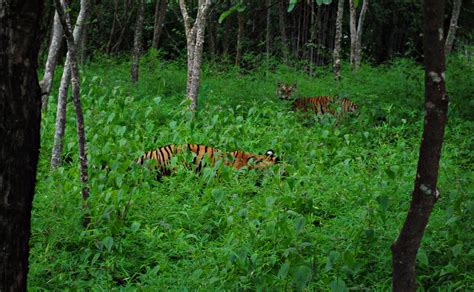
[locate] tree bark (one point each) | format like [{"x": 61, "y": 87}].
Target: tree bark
[
  {"x": 240, "y": 36},
  {"x": 112, "y": 30},
  {"x": 282, "y": 8},
  {"x": 195, "y": 44},
  {"x": 356, "y": 32},
  {"x": 63, "y": 89},
  {"x": 227, "y": 28},
  {"x": 337, "y": 40},
  {"x": 75, "y": 82},
  {"x": 425, "y": 193},
  {"x": 160, "y": 14},
  {"x": 269, "y": 32},
  {"x": 20, "y": 117},
  {"x": 448, "y": 46},
  {"x": 137, "y": 41},
  {"x": 53, "y": 53}
]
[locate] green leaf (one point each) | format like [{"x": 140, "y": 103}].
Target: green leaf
[
  {"x": 108, "y": 242},
  {"x": 327, "y": 2},
  {"x": 299, "y": 224},
  {"x": 135, "y": 226},
  {"x": 338, "y": 285},
  {"x": 292, "y": 4},
  {"x": 283, "y": 272},
  {"x": 457, "y": 249},
  {"x": 302, "y": 277},
  {"x": 422, "y": 257},
  {"x": 157, "y": 99},
  {"x": 319, "y": 2}
]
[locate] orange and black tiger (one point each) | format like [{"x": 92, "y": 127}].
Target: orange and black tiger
[
  {"x": 318, "y": 104},
  {"x": 201, "y": 154}
]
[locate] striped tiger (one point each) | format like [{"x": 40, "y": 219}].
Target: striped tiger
[
  {"x": 236, "y": 159},
  {"x": 286, "y": 91},
  {"x": 319, "y": 104}
]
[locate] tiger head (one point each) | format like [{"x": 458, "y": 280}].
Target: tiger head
[
  {"x": 285, "y": 91},
  {"x": 349, "y": 106},
  {"x": 254, "y": 161}
]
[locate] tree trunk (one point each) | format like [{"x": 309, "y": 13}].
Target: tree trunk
[
  {"x": 137, "y": 41},
  {"x": 160, "y": 14},
  {"x": 240, "y": 36},
  {"x": 269, "y": 32},
  {"x": 425, "y": 193},
  {"x": 337, "y": 40},
  {"x": 63, "y": 89},
  {"x": 359, "y": 33},
  {"x": 53, "y": 53},
  {"x": 356, "y": 32},
  {"x": 195, "y": 44},
  {"x": 448, "y": 46},
  {"x": 282, "y": 8},
  {"x": 112, "y": 30},
  {"x": 20, "y": 108},
  {"x": 227, "y": 28},
  {"x": 211, "y": 37},
  {"x": 75, "y": 82}
]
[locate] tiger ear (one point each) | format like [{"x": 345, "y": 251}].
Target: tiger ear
[{"x": 270, "y": 152}]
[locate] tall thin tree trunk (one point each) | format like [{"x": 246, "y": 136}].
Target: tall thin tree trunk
[
  {"x": 240, "y": 36},
  {"x": 448, "y": 46},
  {"x": 75, "y": 82},
  {"x": 425, "y": 192},
  {"x": 282, "y": 8},
  {"x": 269, "y": 32},
  {"x": 337, "y": 40},
  {"x": 137, "y": 41},
  {"x": 160, "y": 14},
  {"x": 225, "y": 38},
  {"x": 53, "y": 53},
  {"x": 356, "y": 32},
  {"x": 211, "y": 37},
  {"x": 195, "y": 44},
  {"x": 112, "y": 30},
  {"x": 20, "y": 108},
  {"x": 63, "y": 89}
]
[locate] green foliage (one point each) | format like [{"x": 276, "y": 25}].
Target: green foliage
[{"x": 323, "y": 219}]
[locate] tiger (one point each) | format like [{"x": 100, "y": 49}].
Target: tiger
[
  {"x": 236, "y": 159},
  {"x": 318, "y": 104}
]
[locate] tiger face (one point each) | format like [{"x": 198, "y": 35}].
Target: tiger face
[
  {"x": 285, "y": 91},
  {"x": 252, "y": 161}
]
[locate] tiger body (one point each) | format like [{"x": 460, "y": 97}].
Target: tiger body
[
  {"x": 202, "y": 154},
  {"x": 318, "y": 104}
]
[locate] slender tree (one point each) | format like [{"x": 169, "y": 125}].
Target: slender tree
[
  {"x": 137, "y": 41},
  {"x": 63, "y": 89},
  {"x": 160, "y": 14},
  {"x": 195, "y": 44},
  {"x": 50, "y": 67},
  {"x": 356, "y": 32},
  {"x": 240, "y": 36},
  {"x": 269, "y": 32},
  {"x": 425, "y": 193},
  {"x": 282, "y": 8},
  {"x": 337, "y": 40},
  {"x": 20, "y": 117},
  {"x": 75, "y": 82},
  {"x": 448, "y": 46}
]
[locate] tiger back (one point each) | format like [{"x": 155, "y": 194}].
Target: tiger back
[
  {"x": 319, "y": 104},
  {"x": 202, "y": 155}
]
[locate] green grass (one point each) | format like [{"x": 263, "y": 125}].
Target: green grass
[{"x": 323, "y": 219}]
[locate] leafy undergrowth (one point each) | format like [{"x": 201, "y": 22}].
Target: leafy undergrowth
[{"x": 322, "y": 219}]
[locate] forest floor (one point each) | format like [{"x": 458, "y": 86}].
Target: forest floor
[{"x": 324, "y": 218}]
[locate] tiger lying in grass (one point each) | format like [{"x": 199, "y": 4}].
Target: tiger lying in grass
[
  {"x": 319, "y": 104},
  {"x": 201, "y": 153}
]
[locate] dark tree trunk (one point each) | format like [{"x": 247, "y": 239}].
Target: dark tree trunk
[
  {"x": 20, "y": 117},
  {"x": 227, "y": 29},
  {"x": 160, "y": 14},
  {"x": 269, "y": 32},
  {"x": 137, "y": 41},
  {"x": 240, "y": 36},
  {"x": 112, "y": 30},
  {"x": 282, "y": 8},
  {"x": 425, "y": 192}
]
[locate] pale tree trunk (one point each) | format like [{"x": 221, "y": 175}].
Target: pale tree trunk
[
  {"x": 160, "y": 14},
  {"x": 268, "y": 36},
  {"x": 20, "y": 117},
  {"x": 227, "y": 28},
  {"x": 137, "y": 41},
  {"x": 195, "y": 43},
  {"x": 63, "y": 90},
  {"x": 448, "y": 46},
  {"x": 356, "y": 32},
  {"x": 283, "y": 6},
  {"x": 75, "y": 82},
  {"x": 53, "y": 53},
  {"x": 240, "y": 36},
  {"x": 425, "y": 192},
  {"x": 337, "y": 40}
]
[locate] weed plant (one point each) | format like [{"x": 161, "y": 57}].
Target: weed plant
[{"x": 322, "y": 219}]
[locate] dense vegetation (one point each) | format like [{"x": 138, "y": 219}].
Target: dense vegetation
[{"x": 323, "y": 218}]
